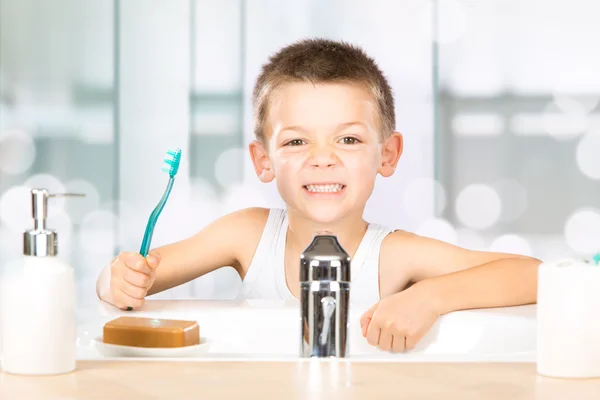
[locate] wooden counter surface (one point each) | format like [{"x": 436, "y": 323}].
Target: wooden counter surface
[{"x": 310, "y": 379}]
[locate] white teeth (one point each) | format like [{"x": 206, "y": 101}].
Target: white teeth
[{"x": 324, "y": 188}]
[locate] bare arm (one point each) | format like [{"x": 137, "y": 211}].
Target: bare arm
[
  {"x": 457, "y": 278},
  {"x": 499, "y": 283},
  {"x": 446, "y": 278},
  {"x": 229, "y": 241}
]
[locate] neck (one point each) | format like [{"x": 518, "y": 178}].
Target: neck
[{"x": 349, "y": 231}]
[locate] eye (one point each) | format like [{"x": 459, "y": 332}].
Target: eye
[
  {"x": 295, "y": 142},
  {"x": 350, "y": 140}
]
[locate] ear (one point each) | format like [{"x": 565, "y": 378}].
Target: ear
[
  {"x": 260, "y": 160},
  {"x": 390, "y": 154}
]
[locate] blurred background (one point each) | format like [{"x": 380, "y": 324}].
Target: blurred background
[{"x": 497, "y": 101}]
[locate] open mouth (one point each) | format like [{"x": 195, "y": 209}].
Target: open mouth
[{"x": 327, "y": 188}]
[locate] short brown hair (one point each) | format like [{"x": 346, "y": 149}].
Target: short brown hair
[{"x": 322, "y": 61}]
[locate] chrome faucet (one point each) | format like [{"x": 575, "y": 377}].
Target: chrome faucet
[{"x": 324, "y": 298}]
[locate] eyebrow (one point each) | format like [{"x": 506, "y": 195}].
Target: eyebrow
[
  {"x": 349, "y": 124},
  {"x": 296, "y": 128},
  {"x": 340, "y": 127}
]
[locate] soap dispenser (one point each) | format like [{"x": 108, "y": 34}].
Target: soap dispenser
[{"x": 37, "y": 308}]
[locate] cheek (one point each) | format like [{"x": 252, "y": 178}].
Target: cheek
[
  {"x": 363, "y": 165},
  {"x": 286, "y": 169},
  {"x": 287, "y": 164}
]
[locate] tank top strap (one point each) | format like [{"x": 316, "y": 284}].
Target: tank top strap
[
  {"x": 262, "y": 274},
  {"x": 365, "y": 266}
]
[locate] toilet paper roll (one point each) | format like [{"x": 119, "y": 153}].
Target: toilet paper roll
[{"x": 568, "y": 320}]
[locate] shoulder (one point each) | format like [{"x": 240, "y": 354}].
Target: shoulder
[
  {"x": 398, "y": 256},
  {"x": 413, "y": 248},
  {"x": 246, "y": 221},
  {"x": 403, "y": 241},
  {"x": 397, "y": 240},
  {"x": 395, "y": 246},
  {"x": 252, "y": 215}
]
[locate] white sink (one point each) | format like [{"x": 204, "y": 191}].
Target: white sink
[{"x": 269, "y": 330}]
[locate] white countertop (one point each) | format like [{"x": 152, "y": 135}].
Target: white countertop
[{"x": 269, "y": 330}]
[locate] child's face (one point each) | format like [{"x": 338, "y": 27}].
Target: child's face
[{"x": 324, "y": 149}]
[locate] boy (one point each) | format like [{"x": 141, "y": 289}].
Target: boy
[{"x": 324, "y": 125}]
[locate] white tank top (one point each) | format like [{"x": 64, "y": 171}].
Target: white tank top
[{"x": 265, "y": 278}]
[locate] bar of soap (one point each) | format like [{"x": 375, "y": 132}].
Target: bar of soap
[{"x": 150, "y": 332}]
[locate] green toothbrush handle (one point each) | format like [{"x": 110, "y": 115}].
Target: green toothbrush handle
[
  {"x": 152, "y": 222},
  {"x": 145, "y": 248}
]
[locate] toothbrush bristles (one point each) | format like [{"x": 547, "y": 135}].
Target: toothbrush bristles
[{"x": 171, "y": 162}]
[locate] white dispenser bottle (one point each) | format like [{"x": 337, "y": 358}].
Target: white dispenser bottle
[{"x": 37, "y": 306}]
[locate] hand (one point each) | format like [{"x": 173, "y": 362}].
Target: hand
[
  {"x": 131, "y": 276},
  {"x": 399, "y": 321}
]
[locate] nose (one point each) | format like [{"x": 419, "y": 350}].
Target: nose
[{"x": 323, "y": 156}]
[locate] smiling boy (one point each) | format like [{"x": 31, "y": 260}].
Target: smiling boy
[{"x": 324, "y": 122}]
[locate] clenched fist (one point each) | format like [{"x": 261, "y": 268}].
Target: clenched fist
[{"x": 131, "y": 276}]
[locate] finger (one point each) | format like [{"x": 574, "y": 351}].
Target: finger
[
  {"x": 398, "y": 343},
  {"x": 133, "y": 291},
  {"x": 373, "y": 334},
  {"x": 365, "y": 325},
  {"x": 365, "y": 319},
  {"x": 385, "y": 340},
  {"x": 124, "y": 301},
  {"x": 138, "y": 263},
  {"x": 137, "y": 278},
  {"x": 412, "y": 340},
  {"x": 153, "y": 259}
]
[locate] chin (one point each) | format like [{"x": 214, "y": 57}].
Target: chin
[{"x": 324, "y": 214}]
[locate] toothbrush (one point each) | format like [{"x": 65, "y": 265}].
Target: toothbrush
[{"x": 171, "y": 166}]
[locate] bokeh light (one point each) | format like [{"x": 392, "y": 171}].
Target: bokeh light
[
  {"x": 478, "y": 206},
  {"x": 97, "y": 234},
  {"x": 45, "y": 181},
  {"x": 570, "y": 102},
  {"x": 78, "y": 207},
  {"x": 423, "y": 198},
  {"x": 17, "y": 152},
  {"x": 470, "y": 239},
  {"x": 229, "y": 167},
  {"x": 131, "y": 224},
  {"x": 588, "y": 155},
  {"x": 202, "y": 191},
  {"x": 242, "y": 196},
  {"x": 11, "y": 244},
  {"x": 15, "y": 209},
  {"x": 513, "y": 244},
  {"x": 189, "y": 209},
  {"x": 565, "y": 122},
  {"x": 582, "y": 231},
  {"x": 437, "y": 228},
  {"x": 513, "y": 197},
  {"x": 480, "y": 124},
  {"x": 62, "y": 224}
]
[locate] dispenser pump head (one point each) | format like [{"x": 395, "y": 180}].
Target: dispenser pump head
[{"x": 41, "y": 241}]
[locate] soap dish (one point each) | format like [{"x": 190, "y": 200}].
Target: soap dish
[{"x": 115, "y": 350}]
